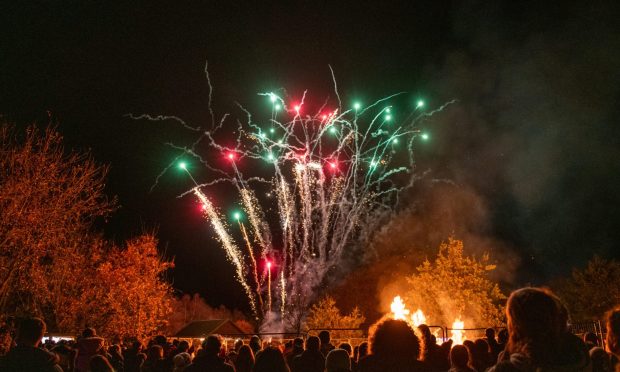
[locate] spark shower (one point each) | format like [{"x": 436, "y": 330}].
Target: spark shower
[{"x": 313, "y": 182}]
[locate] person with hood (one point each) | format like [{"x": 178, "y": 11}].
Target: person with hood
[
  {"x": 539, "y": 339},
  {"x": 27, "y": 356},
  {"x": 86, "y": 347}
]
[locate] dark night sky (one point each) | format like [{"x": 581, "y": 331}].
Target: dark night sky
[{"x": 535, "y": 134}]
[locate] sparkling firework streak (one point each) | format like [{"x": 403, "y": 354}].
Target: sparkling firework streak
[{"x": 330, "y": 177}]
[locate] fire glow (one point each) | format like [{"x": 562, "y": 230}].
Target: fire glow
[{"x": 400, "y": 311}]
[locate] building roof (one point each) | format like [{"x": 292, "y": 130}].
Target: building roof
[{"x": 204, "y": 328}]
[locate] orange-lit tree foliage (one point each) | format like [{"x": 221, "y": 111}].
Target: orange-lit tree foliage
[
  {"x": 456, "y": 285},
  {"x": 326, "y": 315},
  {"x": 52, "y": 263}
]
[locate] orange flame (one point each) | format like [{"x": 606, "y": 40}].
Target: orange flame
[
  {"x": 399, "y": 310},
  {"x": 458, "y": 334},
  {"x": 418, "y": 318}
]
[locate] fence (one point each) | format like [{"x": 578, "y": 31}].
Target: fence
[
  {"x": 594, "y": 326},
  {"x": 355, "y": 336}
]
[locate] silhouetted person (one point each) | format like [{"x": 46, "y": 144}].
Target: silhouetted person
[
  {"x": 362, "y": 350},
  {"x": 338, "y": 360},
  {"x": 181, "y": 361},
  {"x": 155, "y": 360},
  {"x": 481, "y": 355},
  {"x": 459, "y": 359},
  {"x": 255, "y": 344},
  {"x": 297, "y": 349},
  {"x": 430, "y": 354},
  {"x": 502, "y": 340},
  {"x": 495, "y": 347},
  {"x": 326, "y": 345},
  {"x": 99, "y": 363},
  {"x": 347, "y": 346},
  {"x": 116, "y": 358},
  {"x": 245, "y": 359},
  {"x": 311, "y": 360},
  {"x": 394, "y": 347},
  {"x": 86, "y": 347},
  {"x": 65, "y": 353},
  {"x": 26, "y": 356},
  {"x": 133, "y": 357},
  {"x": 591, "y": 340},
  {"x": 601, "y": 361},
  {"x": 209, "y": 360},
  {"x": 538, "y": 334},
  {"x": 613, "y": 336},
  {"x": 270, "y": 360}
]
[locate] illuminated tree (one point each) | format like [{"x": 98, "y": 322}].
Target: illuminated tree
[
  {"x": 52, "y": 263},
  {"x": 456, "y": 285},
  {"x": 122, "y": 292},
  {"x": 590, "y": 292},
  {"x": 325, "y": 315},
  {"x": 48, "y": 201}
]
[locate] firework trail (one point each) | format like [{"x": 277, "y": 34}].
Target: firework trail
[{"x": 331, "y": 176}]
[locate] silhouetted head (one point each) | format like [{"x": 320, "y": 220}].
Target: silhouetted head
[
  {"x": 481, "y": 353},
  {"x": 115, "y": 349},
  {"x": 313, "y": 343},
  {"x": 502, "y": 336},
  {"x": 183, "y": 346},
  {"x": 99, "y": 363},
  {"x": 245, "y": 358},
  {"x": 362, "y": 350},
  {"x": 212, "y": 345},
  {"x": 459, "y": 356},
  {"x": 238, "y": 344},
  {"x": 490, "y": 333},
  {"x": 346, "y": 346},
  {"x": 136, "y": 345},
  {"x": 160, "y": 340},
  {"x": 425, "y": 333},
  {"x": 338, "y": 360},
  {"x": 600, "y": 359},
  {"x": 591, "y": 338},
  {"x": 245, "y": 351},
  {"x": 30, "y": 331},
  {"x": 255, "y": 343},
  {"x": 393, "y": 338},
  {"x": 536, "y": 321},
  {"x": 613, "y": 331},
  {"x": 426, "y": 341},
  {"x": 325, "y": 337},
  {"x": 270, "y": 360},
  {"x": 89, "y": 332},
  {"x": 298, "y": 343},
  {"x": 155, "y": 352}
]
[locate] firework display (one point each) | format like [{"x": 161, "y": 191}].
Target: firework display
[{"x": 313, "y": 182}]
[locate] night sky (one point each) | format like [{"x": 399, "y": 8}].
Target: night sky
[{"x": 534, "y": 138}]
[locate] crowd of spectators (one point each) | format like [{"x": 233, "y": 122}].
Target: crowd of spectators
[{"x": 536, "y": 338}]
